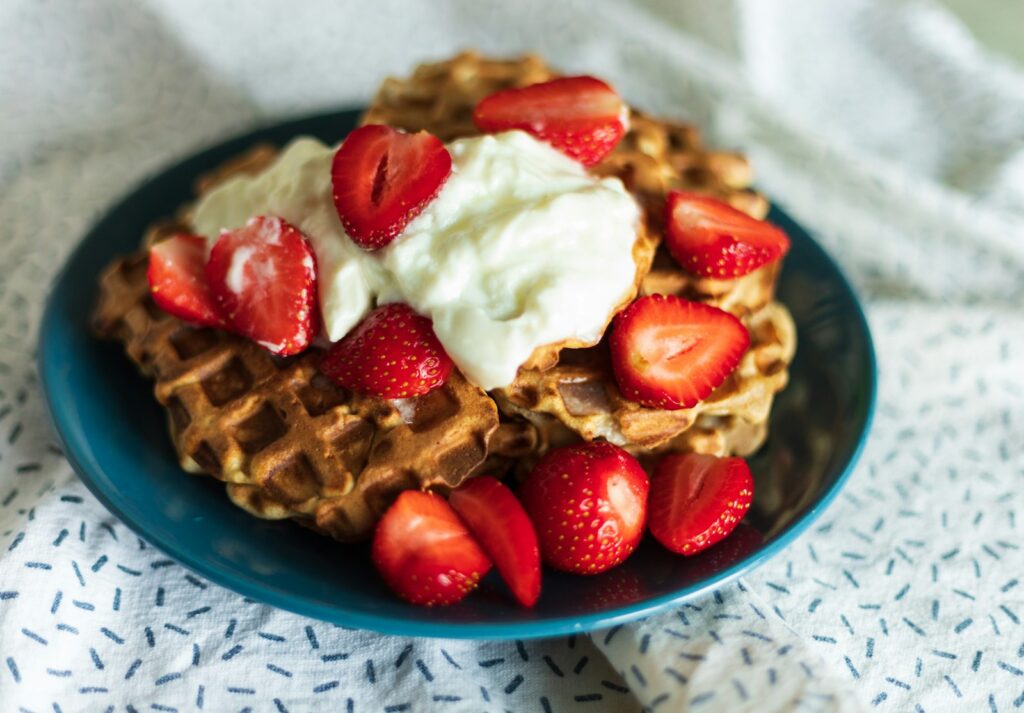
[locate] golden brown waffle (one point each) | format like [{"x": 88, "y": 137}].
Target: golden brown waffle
[
  {"x": 654, "y": 157},
  {"x": 571, "y": 393},
  {"x": 286, "y": 440},
  {"x": 580, "y": 393},
  {"x": 440, "y": 97},
  {"x": 289, "y": 444},
  {"x": 743, "y": 296}
]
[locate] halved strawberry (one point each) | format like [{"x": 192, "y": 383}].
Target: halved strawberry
[
  {"x": 711, "y": 238},
  {"x": 425, "y": 553},
  {"x": 668, "y": 353},
  {"x": 696, "y": 500},
  {"x": 580, "y": 116},
  {"x": 392, "y": 353},
  {"x": 177, "y": 281},
  {"x": 501, "y": 526},
  {"x": 589, "y": 505},
  {"x": 382, "y": 179},
  {"x": 263, "y": 277}
]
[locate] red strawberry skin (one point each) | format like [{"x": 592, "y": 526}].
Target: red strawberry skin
[
  {"x": 712, "y": 239},
  {"x": 588, "y": 503},
  {"x": 424, "y": 551},
  {"x": 263, "y": 278},
  {"x": 177, "y": 280},
  {"x": 392, "y": 353},
  {"x": 501, "y": 526},
  {"x": 668, "y": 353},
  {"x": 383, "y": 178},
  {"x": 697, "y": 500},
  {"x": 580, "y": 116}
]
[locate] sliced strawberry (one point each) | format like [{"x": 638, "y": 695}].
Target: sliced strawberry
[
  {"x": 392, "y": 353},
  {"x": 382, "y": 179},
  {"x": 589, "y": 505},
  {"x": 177, "y": 281},
  {"x": 580, "y": 116},
  {"x": 711, "y": 238},
  {"x": 424, "y": 551},
  {"x": 263, "y": 277},
  {"x": 668, "y": 353},
  {"x": 501, "y": 526},
  {"x": 696, "y": 500}
]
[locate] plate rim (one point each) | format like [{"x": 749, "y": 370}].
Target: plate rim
[{"x": 386, "y": 624}]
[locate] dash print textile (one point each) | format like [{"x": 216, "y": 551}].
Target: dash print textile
[{"x": 881, "y": 126}]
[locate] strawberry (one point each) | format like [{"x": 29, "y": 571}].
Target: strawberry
[
  {"x": 668, "y": 353},
  {"x": 580, "y": 116},
  {"x": 589, "y": 504},
  {"x": 712, "y": 239},
  {"x": 263, "y": 277},
  {"x": 382, "y": 179},
  {"x": 425, "y": 553},
  {"x": 696, "y": 500},
  {"x": 177, "y": 281},
  {"x": 392, "y": 353},
  {"x": 501, "y": 526}
]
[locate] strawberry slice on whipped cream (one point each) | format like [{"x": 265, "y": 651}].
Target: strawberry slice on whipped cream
[{"x": 263, "y": 279}]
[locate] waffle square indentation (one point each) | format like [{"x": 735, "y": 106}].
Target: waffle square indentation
[
  {"x": 189, "y": 342},
  {"x": 293, "y": 481},
  {"x": 432, "y": 409},
  {"x": 230, "y": 382},
  {"x": 260, "y": 429},
  {"x": 320, "y": 396}
]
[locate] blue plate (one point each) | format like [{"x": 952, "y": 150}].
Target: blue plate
[{"x": 115, "y": 436}]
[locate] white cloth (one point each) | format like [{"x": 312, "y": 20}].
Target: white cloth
[{"x": 877, "y": 123}]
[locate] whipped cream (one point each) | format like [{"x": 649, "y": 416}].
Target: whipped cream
[{"x": 520, "y": 249}]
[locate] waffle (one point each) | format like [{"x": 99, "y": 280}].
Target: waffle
[
  {"x": 290, "y": 444},
  {"x": 654, "y": 156},
  {"x": 285, "y": 440},
  {"x": 580, "y": 394},
  {"x": 439, "y": 97},
  {"x": 570, "y": 393}
]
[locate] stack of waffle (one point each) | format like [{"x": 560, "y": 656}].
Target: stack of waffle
[{"x": 290, "y": 444}]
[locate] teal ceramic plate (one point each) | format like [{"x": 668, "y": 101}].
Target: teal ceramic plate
[{"x": 114, "y": 434}]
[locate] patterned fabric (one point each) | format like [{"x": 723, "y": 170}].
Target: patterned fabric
[{"x": 880, "y": 125}]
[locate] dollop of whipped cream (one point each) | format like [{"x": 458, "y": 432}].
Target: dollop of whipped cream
[{"x": 521, "y": 248}]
